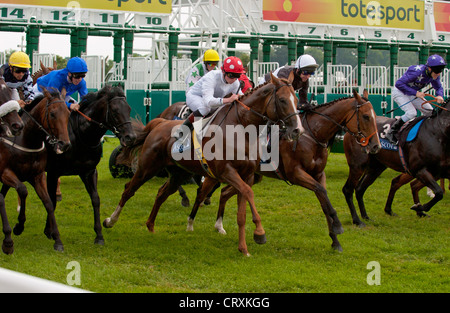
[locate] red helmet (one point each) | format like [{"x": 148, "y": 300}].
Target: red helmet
[{"x": 233, "y": 65}]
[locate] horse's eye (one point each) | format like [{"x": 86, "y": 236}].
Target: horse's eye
[{"x": 366, "y": 117}]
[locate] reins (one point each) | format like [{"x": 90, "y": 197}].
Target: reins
[
  {"x": 52, "y": 140},
  {"x": 112, "y": 128},
  {"x": 433, "y": 102},
  {"x": 360, "y": 138}
]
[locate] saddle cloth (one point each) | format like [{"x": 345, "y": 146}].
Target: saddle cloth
[{"x": 407, "y": 133}]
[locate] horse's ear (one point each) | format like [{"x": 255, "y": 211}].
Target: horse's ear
[
  {"x": 46, "y": 92},
  {"x": 291, "y": 77},
  {"x": 356, "y": 95},
  {"x": 42, "y": 66},
  {"x": 366, "y": 94},
  {"x": 63, "y": 92},
  {"x": 274, "y": 79}
]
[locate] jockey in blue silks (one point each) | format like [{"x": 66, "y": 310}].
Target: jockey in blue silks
[
  {"x": 71, "y": 78},
  {"x": 408, "y": 96}
]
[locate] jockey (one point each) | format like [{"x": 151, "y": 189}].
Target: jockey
[
  {"x": 210, "y": 60},
  {"x": 17, "y": 75},
  {"x": 408, "y": 96},
  {"x": 304, "y": 67},
  {"x": 71, "y": 78},
  {"x": 209, "y": 92}
]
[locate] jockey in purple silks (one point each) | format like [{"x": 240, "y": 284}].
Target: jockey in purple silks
[{"x": 408, "y": 96}]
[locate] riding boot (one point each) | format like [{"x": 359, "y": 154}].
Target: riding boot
[
  {"x": 189, "y": 123},
  {"x": 391, "y": 135}
]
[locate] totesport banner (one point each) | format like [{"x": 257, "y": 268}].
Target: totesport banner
[
  {"x": 405, "y": 14},
  {"x": 142, "y": 6}
]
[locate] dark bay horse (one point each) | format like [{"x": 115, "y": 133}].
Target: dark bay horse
[
  {"x": 24, "y": 158},
  {"x": 425, "y": 158},
  {"x": 303, "y": 162},
  {"x": 99, "y": 111},
  {"x": 274, "y": 102}
]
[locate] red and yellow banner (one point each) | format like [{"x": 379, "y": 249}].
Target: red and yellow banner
[
  {"x": 442, "y": 16},
  {"x": 407, "y": 14},
  {"x": 142, "y": 6}
]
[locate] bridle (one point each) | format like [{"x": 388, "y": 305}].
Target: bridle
[
  {"x": 107, "y": 125},
  {"x": 50, "y": 137},
  {"x": 360, "y": 138},
  {"x": 281, "y": 121}
]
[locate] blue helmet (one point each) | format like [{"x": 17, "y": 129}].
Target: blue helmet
[
  {"x": 77, "y": 65},
  {"x": 436, "y": 60}
]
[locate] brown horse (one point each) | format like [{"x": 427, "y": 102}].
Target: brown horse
[
  {"x": 303, "y": 162},
  {"x": 10, "y": 122},
  {"x": 274, "y": 102},
  {"x": 25, "y": 159},
  {"x": 424, "y": 158}
]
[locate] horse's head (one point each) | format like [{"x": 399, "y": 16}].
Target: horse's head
[
  {"x": 10, "y": 122},
  {"x": 281, "y": 106},
  {"x": 54, "y": 118},
  {"x": 363, "y": 124},
  {"x": 117, "y": 116}
]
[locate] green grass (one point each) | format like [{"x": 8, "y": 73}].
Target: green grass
[{"x": 413, "y": 252}]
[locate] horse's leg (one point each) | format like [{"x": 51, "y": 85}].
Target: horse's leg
[
  {"x": 168, "y": 188},
  {"x": 428, "y": 180},
  {"x": 208, "y": 197},
  {"x": 139, "y": 178},
  {"x": 367, "y": 180},
  {"x": 202, "y": 192},
  {"x": 90, "y": 183},
  {"x": 52, "y": 182},
  {"x": 8, "y": 243},
  {"x": 354, "y": 175},
  {"x": 226, "y": 193},
  {"x": 10, "y": 179},
  {"x": 396, "y": 183},
  {"x": 302, "y": 178},
  {"x": 184, "y": 197},
  {"x": 416, "y": 186},
  {"x": 40, "y": 185}
]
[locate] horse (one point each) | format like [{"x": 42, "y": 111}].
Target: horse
[
  {"x": 25, "y": 157},
  {"x": 424, "y": 158},
  {"x": 10, "y": 122},
  {"x": 274, "y": 102},
  {"x": 303, "y": 162},
  {"x": 99, "y": 111}
]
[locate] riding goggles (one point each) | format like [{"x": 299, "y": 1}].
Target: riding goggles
[
  {"x": 78, "y": 75},
  {"x": 233, "y": 75},
  {"x": 307, "y": 72},
  {"x": 20, "y": 70},
  {"x": 213, "y": 64}
]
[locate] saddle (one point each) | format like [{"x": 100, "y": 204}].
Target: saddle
[{"x": 407, "y": 133}]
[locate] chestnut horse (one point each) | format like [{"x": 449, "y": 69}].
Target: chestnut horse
[
  {"x": 424, "y": 158},
  {"x": 273, "y": 103},
  {"x": 99, "y": 111},
  {"x": 25, "y": 157},
  {"x": 303, "y": 162}
]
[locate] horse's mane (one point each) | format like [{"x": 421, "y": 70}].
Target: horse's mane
[
  {"x": 5, "y": 92},
  {"x": 249, "y": 92},
  {"x": 107, "y": 91},
  {"x": 53, "y": 92}
]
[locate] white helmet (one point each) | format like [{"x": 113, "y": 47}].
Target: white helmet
[{"x": 306, "y": 62}]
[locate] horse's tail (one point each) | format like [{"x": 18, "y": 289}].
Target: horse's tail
[{"x": 129, "y": 153}]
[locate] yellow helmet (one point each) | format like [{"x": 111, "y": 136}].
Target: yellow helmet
[
  {"x": 19, "y": 59},
  {"x": 211, "y": 55}
]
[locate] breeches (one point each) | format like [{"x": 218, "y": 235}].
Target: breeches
[{"x": 411, "y": 105}]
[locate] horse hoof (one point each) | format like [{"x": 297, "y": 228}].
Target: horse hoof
[
  {"x": 58, "y": 247},
  {"x": 207, "y": 201},
  {"x": 338, "y": 229},
  {"x": 58, "y": 198},
  {"x": 359, "y": 223},
  {"x": 260, "y": 239},
  {"x": 417, "y": 207},
  {"x": 18, "y": 229},
  {"x": 99, "y": 241},
  {"x": 8, "y": 247},
  {"x": 107, "y": 223},
  {"x": 338, "y": 248},
  {"x": 185, "y": 202}
]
